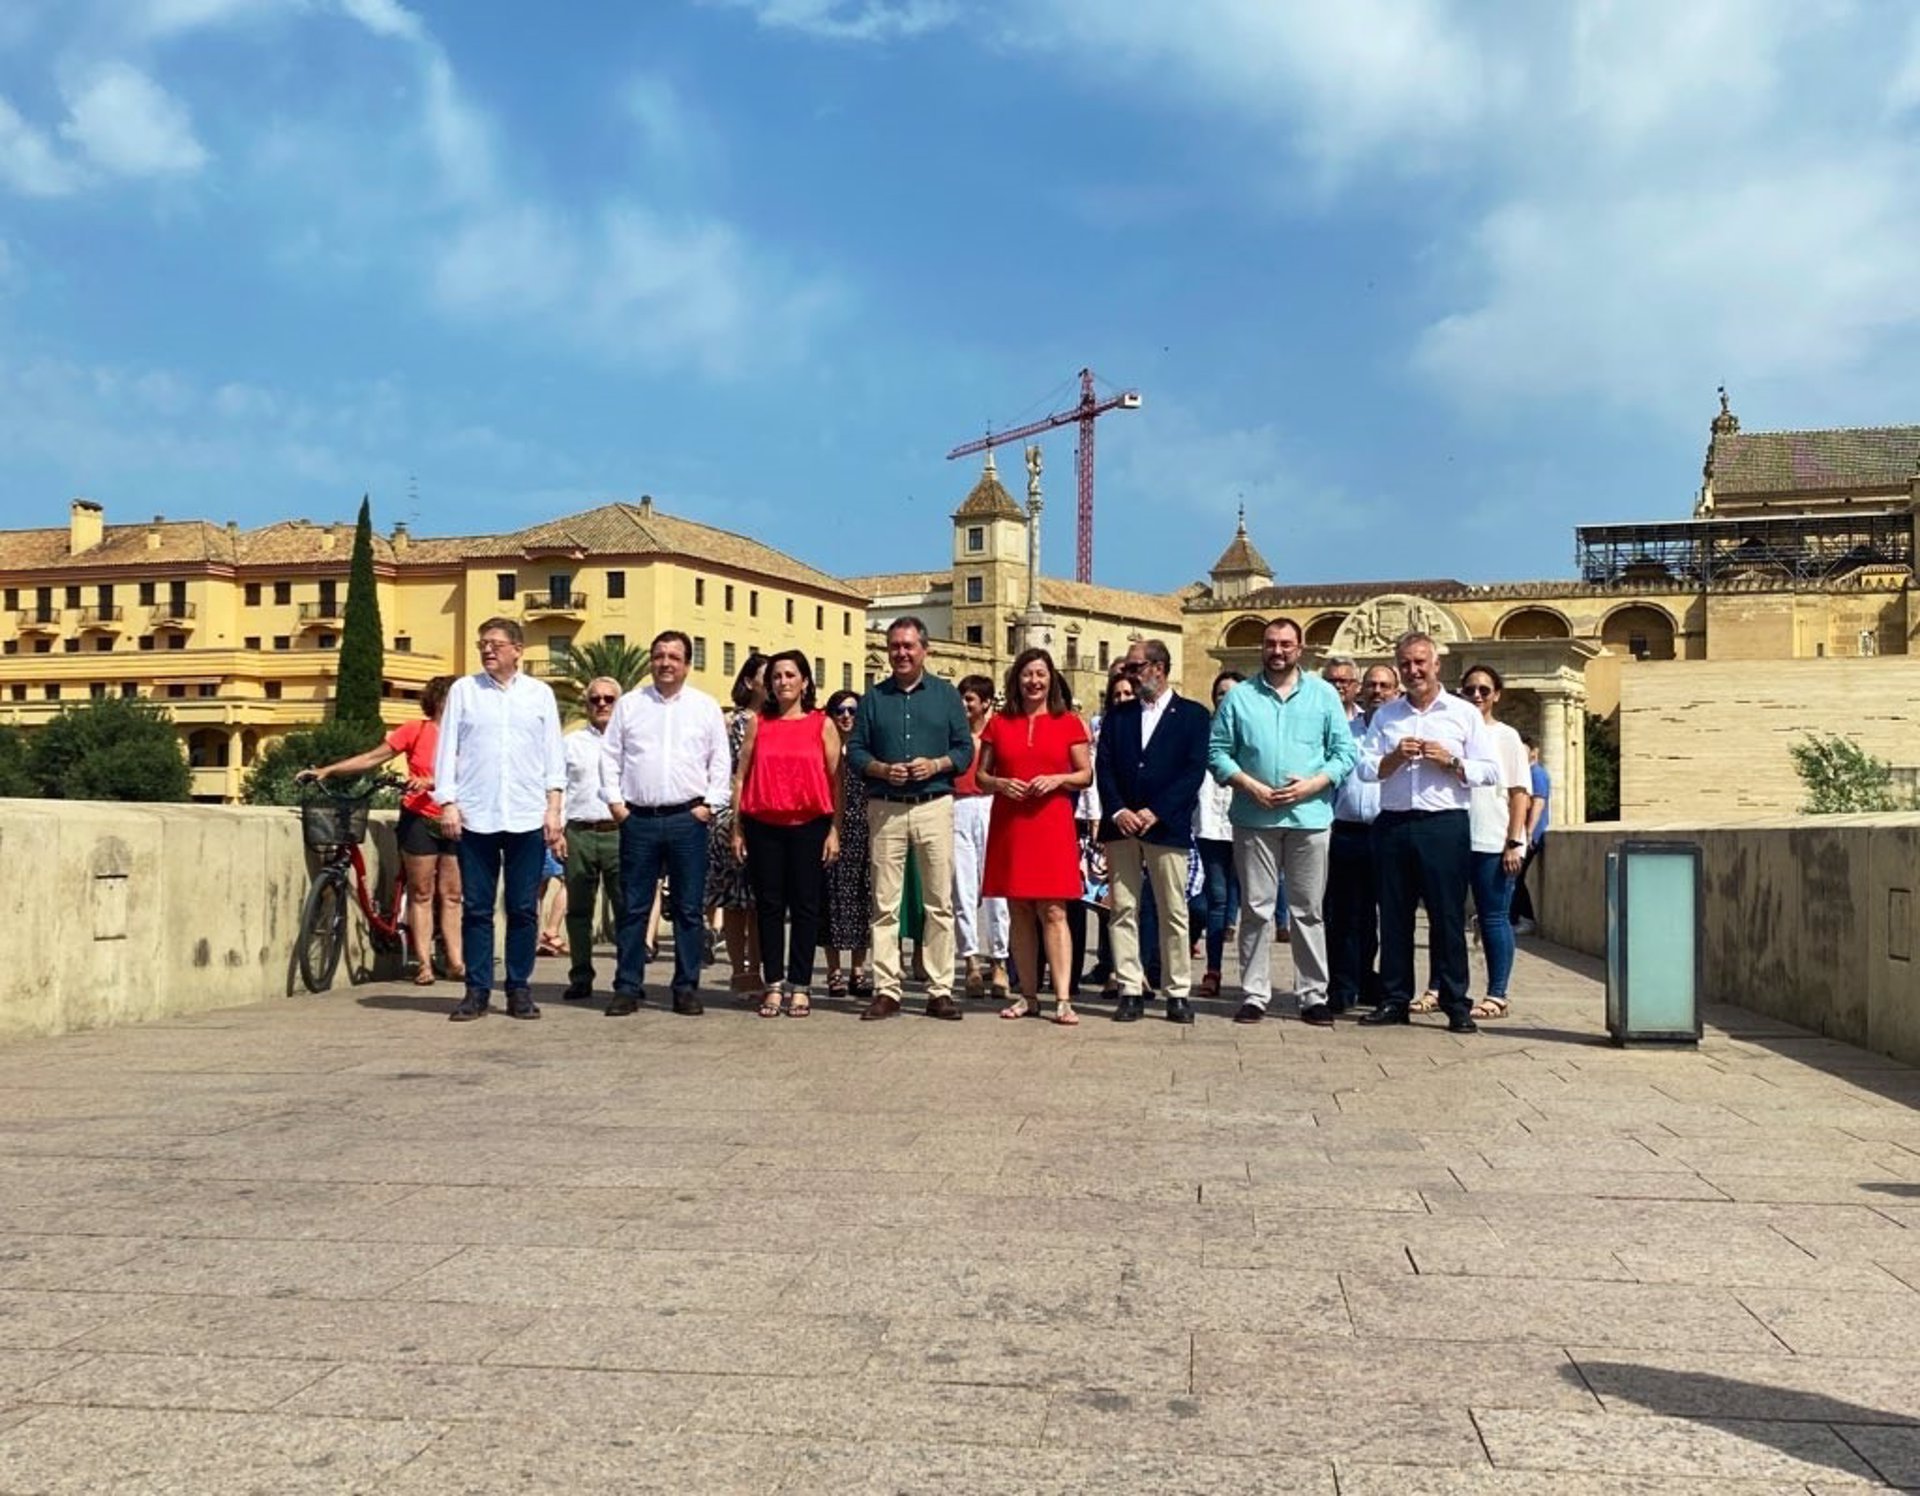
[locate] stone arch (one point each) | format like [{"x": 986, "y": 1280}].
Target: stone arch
[
  {"x": 207, "y": 749},
  {"x": 1533, "y": 622},
  {"x": 1321, "y": 629},
  {"x": 1639, "y": 629},
  {"x": 1243, "y": 633}
]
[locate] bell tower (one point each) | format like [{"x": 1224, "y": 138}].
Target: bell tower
[{"x": 989, "y": 563}]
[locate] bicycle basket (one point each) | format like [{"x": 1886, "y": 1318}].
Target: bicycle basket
[{"x": 334, "y": 822}]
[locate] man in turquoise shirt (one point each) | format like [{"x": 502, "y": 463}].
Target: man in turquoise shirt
[{"x": 1281, "y": 741}]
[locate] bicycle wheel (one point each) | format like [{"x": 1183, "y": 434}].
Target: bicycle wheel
[{"x": 323, "y": 930}]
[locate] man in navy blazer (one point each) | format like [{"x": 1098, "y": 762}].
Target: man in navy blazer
[{"x": 1148, "y": 767}]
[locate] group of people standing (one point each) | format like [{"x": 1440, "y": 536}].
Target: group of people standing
[{"x": 1336, "y": 803}]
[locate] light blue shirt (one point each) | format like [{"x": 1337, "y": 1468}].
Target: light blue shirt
[
  {"x": 1271, "y": 737},
  {"x": 1358, "y": 799}
]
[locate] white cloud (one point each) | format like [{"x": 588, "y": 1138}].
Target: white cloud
[
  {"x": 386, "y": 18},
  {"x": 159, "y": 18},
  {"x": 29, "y": 164},
  {"x": 130, "y": 126},
  {"x": 850, "y": 20}
]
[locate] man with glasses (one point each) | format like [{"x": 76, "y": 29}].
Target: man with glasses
[
  {"x": 499, "y": 774},
  {"x": 669, "y": 770},
  {"x": 1149, "y": 762},
  {"x": 1426, "y": 750},
  {"x": 1352, "y": 903},
  {"x": 593, "y": 837},
  {"x": 1282, "y": 742}
]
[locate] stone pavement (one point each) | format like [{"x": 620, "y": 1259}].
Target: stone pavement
[{"x": 339, "y": 1244}]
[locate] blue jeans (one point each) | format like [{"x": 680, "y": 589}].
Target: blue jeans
[
  {"x": 675, "y": 845},
  {"x": 1217, "y": 896},
  {"x": 1492, "y": 898},
  {"x": 484, "y": 855}
]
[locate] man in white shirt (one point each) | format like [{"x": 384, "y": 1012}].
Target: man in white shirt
[
  {"x": 593, "y": 840},
  {"x": 668, "y": 771},
  {"x": 1426, "y": 751},
  {"x": 499, "y": 775},
  {"x": 1352, "y": 902}
]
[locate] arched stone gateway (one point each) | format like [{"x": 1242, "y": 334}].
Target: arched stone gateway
[{"x": 1372, "y": 628}]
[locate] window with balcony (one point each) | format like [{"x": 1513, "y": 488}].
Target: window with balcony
[
  {"x": 13, "y": 599},
  {"x": 282, "y": 594},
  {"x": 147, "y": 594},
  {"x": 43, "y": 646},
  {"x": 616, "y": 584},
  {"x": 329, "y": 599},
  {"x": 104, "y": 596},
  {"x": 505, "y": 585},
  {"x": 253, "y": 594},
  {"x": 208, "y": 688},
  {"x": 176, "y": 693},
  {"x": 73, "y": 597}
]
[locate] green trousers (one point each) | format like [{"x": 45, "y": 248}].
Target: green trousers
[{"x": 593, "y": 864}]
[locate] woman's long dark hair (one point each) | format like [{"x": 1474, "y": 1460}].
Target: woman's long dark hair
[{"x": 743, "y": 682}]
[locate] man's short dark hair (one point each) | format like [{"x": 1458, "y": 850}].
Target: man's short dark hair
[
  {"x": 1285, "y": 622},
  {"x": 672, "y": 636},
  {"x": 1529, "y": 740},
  {"x": 516, "y": 636},
  {"x": 1157, "y": 653},
  {"x": 908, "y": 621},
  {"x": 980, "y": 685}
]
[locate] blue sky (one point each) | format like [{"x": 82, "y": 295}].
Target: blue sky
[{"x": 1426, "y": 282}]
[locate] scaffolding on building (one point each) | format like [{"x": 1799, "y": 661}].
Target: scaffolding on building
[{"x": 1807, "y": 548}]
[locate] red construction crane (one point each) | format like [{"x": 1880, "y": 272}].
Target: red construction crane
[{"x": 1090, "y": 406}]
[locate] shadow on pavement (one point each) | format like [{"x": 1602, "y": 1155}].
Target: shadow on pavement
[{"x": 1786, "y": 1419}]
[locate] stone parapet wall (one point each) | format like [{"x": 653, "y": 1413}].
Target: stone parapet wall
[
  {"x": 1808, "y": 919},
  {"x": 122, "y": 913}
]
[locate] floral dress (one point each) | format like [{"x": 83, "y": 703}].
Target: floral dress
[
  {"x": 727, "y": 886},
  {"x": 849, "y": 922}
]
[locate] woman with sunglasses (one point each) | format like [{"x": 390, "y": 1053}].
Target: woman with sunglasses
[
  {"x": 786, "y": 831},
  {"x": 850, "y": 879},
  {"x": 1497, "y": 817}
]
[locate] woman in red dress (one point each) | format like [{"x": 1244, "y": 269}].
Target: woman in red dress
[{"x": 1034, "y": 761}]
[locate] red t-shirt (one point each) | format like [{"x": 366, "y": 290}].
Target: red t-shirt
[
  {"x": 968, "y": 784},
  {"x": 419, "y": 740},
  {"x": 787, "y": 785}
]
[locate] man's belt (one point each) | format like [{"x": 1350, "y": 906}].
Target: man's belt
[
  {"x": 608, "y": 825},
  {"x": 653, "y": 812},
  {"x": 904, "y": 797}
]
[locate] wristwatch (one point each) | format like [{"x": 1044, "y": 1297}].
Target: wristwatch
[
  {"x": 1513, "y": 845},
  {"x": 1453, "y": 764}
]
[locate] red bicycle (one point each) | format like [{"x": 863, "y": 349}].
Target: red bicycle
[{"x": 335, "y": 826}]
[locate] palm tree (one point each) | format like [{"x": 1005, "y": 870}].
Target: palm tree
[{"x": 626, "y": 663}]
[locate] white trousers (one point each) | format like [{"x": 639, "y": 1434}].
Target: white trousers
[{"x": 971, "y": 813}]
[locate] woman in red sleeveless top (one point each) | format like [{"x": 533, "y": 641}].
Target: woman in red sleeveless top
[
  {"x": 1035, "y": 760},
  {"x": 786, "y": 827}
]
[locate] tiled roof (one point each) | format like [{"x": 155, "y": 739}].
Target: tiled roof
[
  {"x": 1241, "y": 558},
  {"x": 640, "y": 530},
  {"x": 1763, "y": 462},
  {"x": 1113, "y": 602},
  {"x": 891, "y": 583},
  {"x": 989, "y": 499},
  {"x": 175, "y": 543}
]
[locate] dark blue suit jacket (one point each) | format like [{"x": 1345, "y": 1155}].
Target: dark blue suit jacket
[{"x": 1165, "y": 778}]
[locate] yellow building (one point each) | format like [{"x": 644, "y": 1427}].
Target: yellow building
[{"x": 237, "y": 631}]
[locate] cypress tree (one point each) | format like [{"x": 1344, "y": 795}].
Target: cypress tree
[{"x": 356, "y": 696}]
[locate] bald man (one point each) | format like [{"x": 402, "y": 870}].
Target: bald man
[{"x": 593, "y": 837}]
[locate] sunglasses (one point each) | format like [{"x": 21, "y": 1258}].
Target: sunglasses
[
  {"x": 846, "y": 711},
  {"x": 602, "y": 700},
  {"x": 1476, "y": 690}
]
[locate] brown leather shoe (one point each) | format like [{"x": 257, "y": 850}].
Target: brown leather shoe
[
  {"x": 880, "y": 1007},
  {"x": 943, "y": 1007}
]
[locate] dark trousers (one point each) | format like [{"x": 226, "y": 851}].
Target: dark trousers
[
  {"x": 485, "y": 856},
  {"x": 1522, "y": 900},
  {"x": 1218, "y": 896},
  {"x": 1423, "y": 858},
  {"x": 789, "y": 889},
  {"x": 1352, "y": 911},
  {"x": 649, "y": 846},
  {"x": 593, "y": 863}
]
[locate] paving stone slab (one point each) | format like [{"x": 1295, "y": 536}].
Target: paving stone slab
[
  {"x": 1816, "y": 1389},
  {"x": 1674, "y": 1448},
  {"x": 908, "y": 1470},
  {"x": 207, "y": 1383}
]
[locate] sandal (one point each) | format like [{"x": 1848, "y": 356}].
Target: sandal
[
  {"x": 836, "y": 984},
  {"x": 1490, "y": 1007},
  {"x": 770, "y": 1004},
  {"x": 976, "y": 984},
  {"x": 799, "y": 1005},
  {"x": 1020, "y": 1007},
  {"x": 424, "y": 976},
  {"x": 1064, "y": 1015},
  {"x": 1426, "y": 1002},
  {"x": 861, "y": 984}
]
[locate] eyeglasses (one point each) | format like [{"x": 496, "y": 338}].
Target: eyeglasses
[
  {"x": 1342, "y": 680},
  {"x": 1132, "y": 667},
  {"x": 602, "y": 700},
  {"x": 1476, "y": 690},
  {"x": 846, "y": 711}
]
